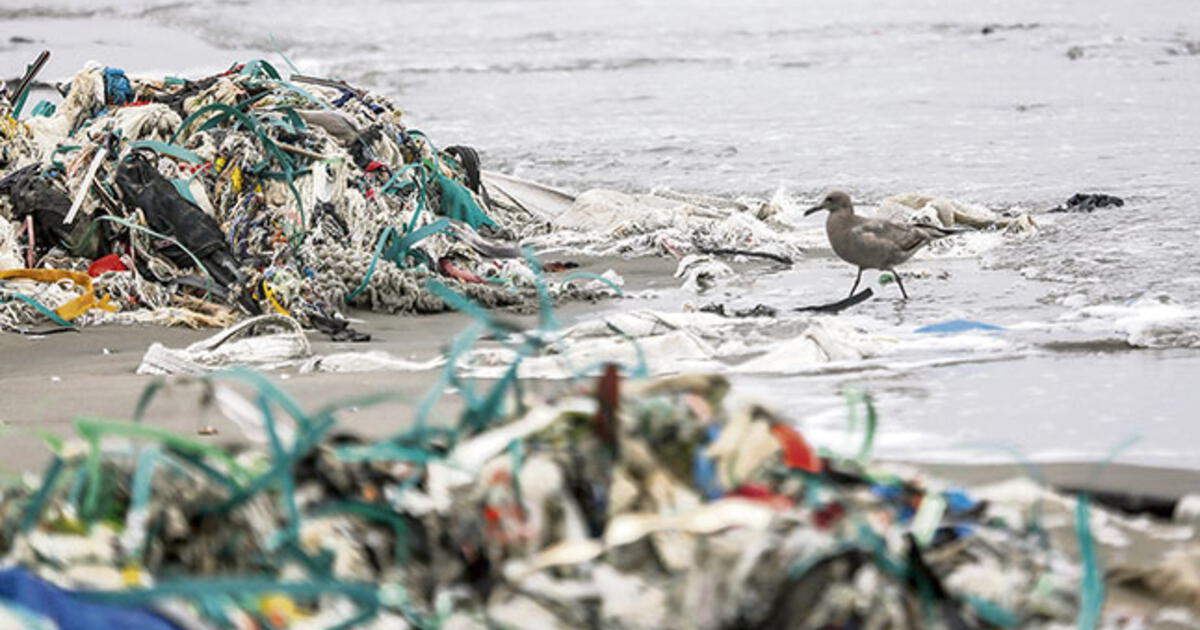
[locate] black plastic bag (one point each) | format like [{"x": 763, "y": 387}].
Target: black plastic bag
[
  {"x": 167, "y": 212},
  {"x": 32, "y": 194}
]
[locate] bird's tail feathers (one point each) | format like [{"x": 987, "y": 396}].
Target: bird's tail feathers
[{"x": 937, "y": 231}]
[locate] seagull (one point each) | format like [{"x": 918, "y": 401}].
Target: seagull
[{"x": 872, "y": 243}]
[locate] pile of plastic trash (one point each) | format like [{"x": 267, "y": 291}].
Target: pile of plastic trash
[
  {"x": 197, "y": 201},
  {"x": 614, "y": 502}
]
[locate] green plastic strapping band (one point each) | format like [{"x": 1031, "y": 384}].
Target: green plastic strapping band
[
  {"x": 479, "y": 413},
  {"x": 1091, "y": 585},
  {"x": 172, "y": 150},
  {"x": 255, "y": 68},
  {"x": 856, "y": 398},
  {"x": 516, "y": 453},
  {"x": 143, "y": 482},
  {"x": 379, "y": 244},
  {"x": 147, "y": 395},
  {"x": 273, "y": 149},
  {"x": 34, "y": 510},
  {"x": 992, "y": 612},
  {"x": 373, "y": 512},
  {"x": 383, "y": 451},
  {"x": 279, "y": 51},
  {"x": 462, "y": 343},
  {"x": 43, "y": 309},
  {"x": 43, "y": 108},
  {"x": 397, "y": 252},
  {"x": 94, "y": 429},
  {"x": 464, "y": 305},
  {"x": 266, "y": 387},
  {"x": 181, "y": 187}
]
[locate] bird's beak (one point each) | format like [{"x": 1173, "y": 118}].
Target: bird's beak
[{"x": 816, "y": 208}]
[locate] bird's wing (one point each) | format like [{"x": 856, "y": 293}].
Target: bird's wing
[{"x": 879, "y": 233}]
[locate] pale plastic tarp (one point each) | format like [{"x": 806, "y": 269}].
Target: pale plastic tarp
[{"x": 233, "y": 346}]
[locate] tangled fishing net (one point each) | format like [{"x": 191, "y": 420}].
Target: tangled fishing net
[
  {"x": 614, "y": 502},
  {"x": 197, "y": 201}
]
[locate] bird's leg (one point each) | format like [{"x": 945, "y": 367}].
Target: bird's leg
[
  {"x": 856, "y": 280},
  {"x": 899, "y": 283}
]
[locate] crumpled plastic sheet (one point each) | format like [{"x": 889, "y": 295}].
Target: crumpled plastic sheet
[{"x": 661, "y": 342}]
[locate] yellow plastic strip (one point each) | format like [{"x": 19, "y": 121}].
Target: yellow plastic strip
[
  {"x": 271, "y": 298},
  {"x": 74, "y": 308}
]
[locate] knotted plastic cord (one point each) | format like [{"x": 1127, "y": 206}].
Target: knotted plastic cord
[{"x": 226, "y": 112}]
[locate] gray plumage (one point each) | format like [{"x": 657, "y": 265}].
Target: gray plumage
[{"x": 872, "y": 243}]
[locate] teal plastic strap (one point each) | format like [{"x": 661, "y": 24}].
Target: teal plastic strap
[
  {"x": 134, "y": 226},
  {"x": 272, "y": 149},
  {"x": 379, "y": 245},
  {"x": 43, "y": 309},
  {"x": 181, "y": 186},
  {"x": 43, "y": 108},
  {"x": 856, "y": 398},
  {"x": 164, "y": 148},
  {"x": 397, "y": 252},
  {"x": 33, "y": 511},
  {"x": 1091, "y": 584}
]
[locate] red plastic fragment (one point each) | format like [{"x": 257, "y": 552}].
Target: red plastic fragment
[
  {"x": 828, "y": 515},
  {"x": 111, "y": 262},
  {"x": 454, "y": 271},
  {"x": 608, "y": 395},
  {"x": 762, "y": 494},
  {"x": 796, "y": 452}
]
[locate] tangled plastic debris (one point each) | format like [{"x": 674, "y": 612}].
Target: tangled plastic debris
[
  {"x": 197, "y": 201},
  {"x": 618, "y": 502}
]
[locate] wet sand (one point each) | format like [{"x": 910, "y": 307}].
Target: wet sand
[{"x": 46, "y": 382}]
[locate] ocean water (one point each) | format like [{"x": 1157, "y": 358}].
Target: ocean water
[{"x": 775, "y": 97}]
